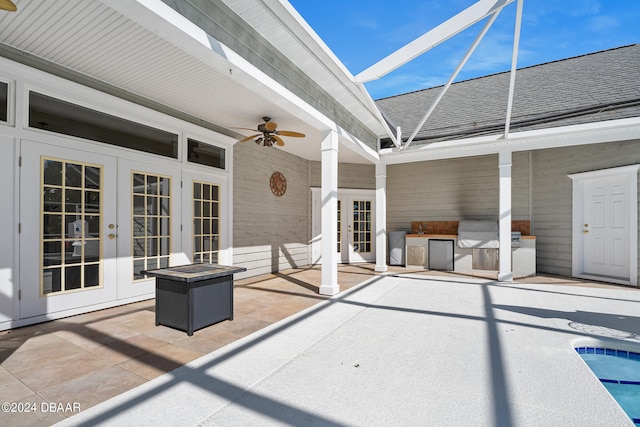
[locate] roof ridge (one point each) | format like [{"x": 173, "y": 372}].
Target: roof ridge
[{"x": 518, "y": 69}]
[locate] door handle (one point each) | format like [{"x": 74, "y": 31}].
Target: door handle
[
  {"x": 585, "y": 231},
  {"x": 111, "y": 236}
]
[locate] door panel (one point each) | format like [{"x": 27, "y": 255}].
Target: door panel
[
  {"x": 148, "y": 227},
  {"x": 206, "y": 222},
  {"x": 66, "y": 261},
  {"x": 606, "y": 227},
  {"x": 361, "y": 237},
  {"x": 355, "y": 228}
]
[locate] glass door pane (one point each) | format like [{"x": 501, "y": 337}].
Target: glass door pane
[
  {"x": 151, "y": 222},
  {"x": 71, "y": 206},
  {"x": 339, "y": 225},
  {"x": 206, "y": 222},
  {"x": 362, "y": 226}
]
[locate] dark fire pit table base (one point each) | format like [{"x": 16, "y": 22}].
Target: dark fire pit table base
[{"x": 191, "y": 297}]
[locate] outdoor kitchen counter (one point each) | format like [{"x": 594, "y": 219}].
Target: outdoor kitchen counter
[
  {"x": 417, "y": 253},
  {"x": 191, "y": 297},
  {"x": 453, "y": 236},
  {"x": 435, "y": 236}
]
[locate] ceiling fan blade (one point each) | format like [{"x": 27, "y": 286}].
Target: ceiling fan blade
[
  {"x": 279, "y": 140},
  {"x": 270, "y": 126},
  {"x": 290, "y": 133},
  {"x": 8, "y": 5},
  {"x": 249, "y": 138}
]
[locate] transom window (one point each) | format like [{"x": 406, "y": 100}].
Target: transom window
[
  {"x": 151, "y": 237},
  {"x": 71, "y": 206},
  {"x": 205, "y": 154},
  {"x": 54, "y": 115},
  {"x": 4, "y": 102},
  {"x": 206, "y": 232}
]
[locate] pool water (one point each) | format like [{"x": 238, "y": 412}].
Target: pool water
[{"x": 619, "y": 372}]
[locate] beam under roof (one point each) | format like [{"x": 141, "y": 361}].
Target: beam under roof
[{"x": 463, "y": 20}]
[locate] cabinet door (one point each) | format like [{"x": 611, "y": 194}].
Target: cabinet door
[{"x": 416, "y": 252}]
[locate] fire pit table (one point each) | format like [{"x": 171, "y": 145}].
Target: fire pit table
[{"x": 191, "y": 297}]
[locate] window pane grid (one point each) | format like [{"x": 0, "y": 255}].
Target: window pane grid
[
  {"x": 206, "y": 221},
  {"x": 339, "y": 225},
  {"x": 71, "y": 214},
  {"x": 151, "y": 221},
  {"x": 362, "y": 226}
]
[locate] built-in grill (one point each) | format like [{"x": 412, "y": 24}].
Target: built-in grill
[
  {"x": 478, "y": 235},
  {"x": 482, "y": 238}
]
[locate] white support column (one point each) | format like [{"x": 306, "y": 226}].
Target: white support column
[
  {"x": 329, "y": 196},
  {"x": 381, "y": 217},
  {"x": 505, "y": 273}
]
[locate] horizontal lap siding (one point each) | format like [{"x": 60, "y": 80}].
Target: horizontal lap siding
[
  {"x": 350, "y": 175},
  {"x": 270, "y": 233},
  {"x": 450, "y": 190},
  {"x": 553, "y": 195}
]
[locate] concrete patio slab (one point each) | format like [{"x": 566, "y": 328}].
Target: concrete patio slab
[{"x": 404, "y": 350}]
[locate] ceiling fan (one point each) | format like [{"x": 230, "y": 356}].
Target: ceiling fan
[
  {"x": 8, "y": 5},
  {"x": 268, "y": 135}
]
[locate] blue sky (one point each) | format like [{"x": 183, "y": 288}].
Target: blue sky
[{"x": 361, "y": 32}]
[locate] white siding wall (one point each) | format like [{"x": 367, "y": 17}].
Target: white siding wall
[
  {"x": 552, "y": 195},
  {"x": 468, "y": 189},
  {"x": 452, "y": 190},
  {"x": 270, "y": 233}
]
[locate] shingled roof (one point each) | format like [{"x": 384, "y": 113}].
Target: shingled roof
[{"x": 590, "y": 88}]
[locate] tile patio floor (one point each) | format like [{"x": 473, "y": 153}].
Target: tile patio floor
[{"x": 86, "y": 359}]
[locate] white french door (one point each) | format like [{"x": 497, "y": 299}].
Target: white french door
[
  {"x": 66, "y": 211},
  {"x": 148, "y": 227},
  {"x": 356, "y": 226},
  {"x": 91, "y": 224}
]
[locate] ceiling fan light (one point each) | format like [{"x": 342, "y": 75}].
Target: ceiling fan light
[{"x": 269, "y": 132}]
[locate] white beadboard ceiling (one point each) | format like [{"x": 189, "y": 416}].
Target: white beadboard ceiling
[{"x": 93, "y": 39}]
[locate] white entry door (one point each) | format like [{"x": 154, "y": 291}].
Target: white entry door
[
  {"x": 67, "y": 213},
  {"x": 148, "y": 227},
  {"x": 606, "y": 227},
  {"x": 605, "y": 239}
]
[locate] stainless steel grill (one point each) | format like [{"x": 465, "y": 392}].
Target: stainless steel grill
[{"x": 478, "y": 235}]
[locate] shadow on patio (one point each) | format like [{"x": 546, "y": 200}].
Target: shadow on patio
[{"x": 86, "y": 359}]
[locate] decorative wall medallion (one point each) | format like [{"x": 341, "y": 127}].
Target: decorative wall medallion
[{"x": 278, "y": 184}]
